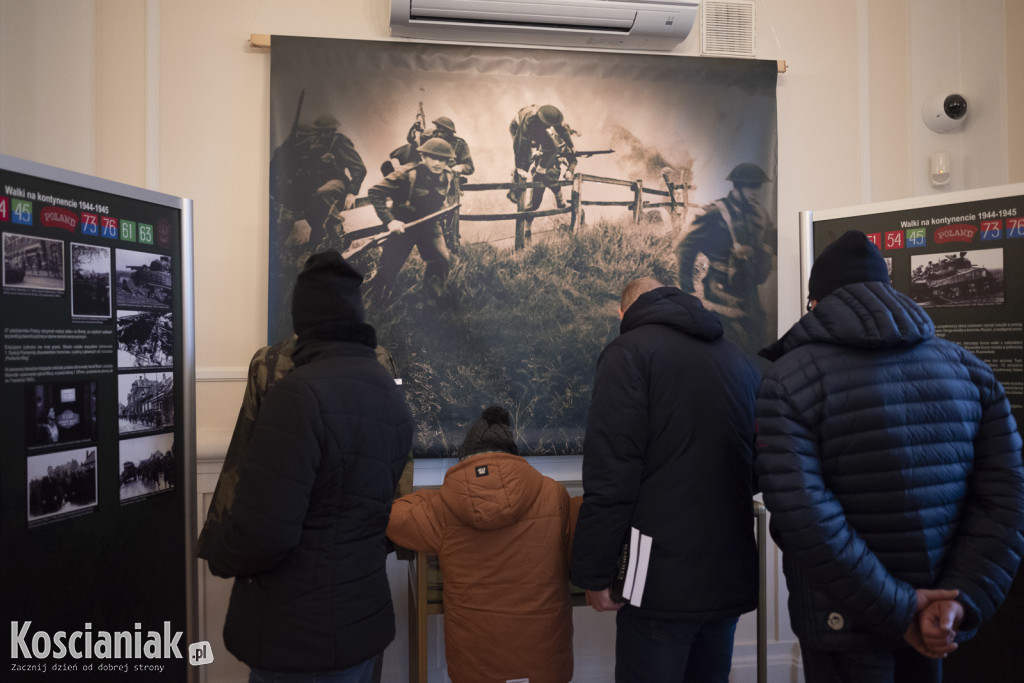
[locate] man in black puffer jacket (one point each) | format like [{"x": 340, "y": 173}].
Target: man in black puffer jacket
[
  {"x": 891, "y": 466},
  {"x": 667, "y": 453},
  {"x": 305, "y": 539}
]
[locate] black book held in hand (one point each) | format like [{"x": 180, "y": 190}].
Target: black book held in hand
[
  {"x": 631, "y": 572},
  {"x": 619, "y": 581}
]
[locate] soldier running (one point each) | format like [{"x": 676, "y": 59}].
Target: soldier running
[
  {"x": 737, "y": 236},
  {"x": 461, "y": 165},
  {"x": 412, "y": 192},
  {"x": 544, "y": 153},
  {"x": 315, "y": 174}
]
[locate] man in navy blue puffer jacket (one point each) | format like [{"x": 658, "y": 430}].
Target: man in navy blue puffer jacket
[
  {"x": 891, "y": 466},
  {"x": 305, "y": 539}
]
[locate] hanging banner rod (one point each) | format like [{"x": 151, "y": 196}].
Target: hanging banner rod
[{"x": 262, "y": 41}]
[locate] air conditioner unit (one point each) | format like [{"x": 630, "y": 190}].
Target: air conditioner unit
[{"x": 604, "y": 24}]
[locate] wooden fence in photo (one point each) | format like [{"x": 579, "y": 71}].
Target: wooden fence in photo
[
  {"x": 639, "y": 203},
  {"x": 674, "y": 198}
]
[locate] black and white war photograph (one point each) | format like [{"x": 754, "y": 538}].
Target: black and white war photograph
[
  {"x": 61, "y": 484},
  {"x": 497, "y": 201},
  {"x": 33, "y": 263},
  {"x": 145, "y": 401},
  {"x": 60, "y": 413},
  {"x": 958, "y": 278},
  {"x": 90, "y": 281},
  {"x": 143, "y": 280},
  {"x": 146, "y": 466},
  {"x": 145, "y": 339}
]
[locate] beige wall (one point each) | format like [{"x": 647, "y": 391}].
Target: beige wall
[
  {"x": 1015, "y": 96},
  {"x": 120, "y": 48},
  {"x": 167, "y": 94},
  {"x": 888, "y": 60}
]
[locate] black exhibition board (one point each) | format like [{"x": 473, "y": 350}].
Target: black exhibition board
[
  {"x": 97, "y": 414},
  {"x": 960, "y": 255}
]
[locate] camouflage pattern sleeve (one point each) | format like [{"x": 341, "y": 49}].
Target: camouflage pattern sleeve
[{"x": 268, "y": 364}]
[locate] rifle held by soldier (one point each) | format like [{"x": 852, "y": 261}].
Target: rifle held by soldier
[
  {"x": 415, "y": 135},
  {"x": 298, "y": 112},
  {"x": 381, "y": 232}
]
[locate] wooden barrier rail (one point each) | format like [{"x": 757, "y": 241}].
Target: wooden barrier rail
[{"x": 637, "y": 204}]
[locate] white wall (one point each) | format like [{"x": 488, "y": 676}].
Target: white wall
[{"x": 167, "y": 94}]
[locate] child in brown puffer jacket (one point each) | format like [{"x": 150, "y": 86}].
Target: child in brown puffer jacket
[{"x": 502, "y": 532}]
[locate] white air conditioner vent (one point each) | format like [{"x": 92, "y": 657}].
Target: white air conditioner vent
[
  {"x": 727, "y": 28},
  {"x": 622, "y": 24}
]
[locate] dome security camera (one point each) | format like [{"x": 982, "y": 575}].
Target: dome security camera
[{"x": 943, "y": 113}]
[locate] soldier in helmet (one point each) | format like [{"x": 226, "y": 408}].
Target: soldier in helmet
[
  {"x": 412, "y": 192},
  {"x": 406, "y": 154},
  {"x": 462, "y": 162},
  {"x": 315, "y": 174},
  {"x": 461, "y": 165},
  {"x": 444, "y": 128},
  {"x": 738, "y": 238},
  {"x": 544, "y": 153}
]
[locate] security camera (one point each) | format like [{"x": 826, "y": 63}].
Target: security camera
[{"x": 943, "y": 113}]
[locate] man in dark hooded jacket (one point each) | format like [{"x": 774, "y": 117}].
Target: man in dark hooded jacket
[
  {"x": 305, "y": 539},
  {"x": 891, "y": 466},
  {"x": 667, "y": 456}
]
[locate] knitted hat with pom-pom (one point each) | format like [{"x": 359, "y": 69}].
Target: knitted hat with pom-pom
[{"x": 491, "y": 433}]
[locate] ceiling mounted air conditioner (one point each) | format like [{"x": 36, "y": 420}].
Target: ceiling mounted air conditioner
[{"x": 604, "y": 24}]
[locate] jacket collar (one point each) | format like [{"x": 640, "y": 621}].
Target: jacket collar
[
  {"x": 866, "y": 315},
  {"x": 674, "y": 308},
  {"x": 315, "y": 341}
]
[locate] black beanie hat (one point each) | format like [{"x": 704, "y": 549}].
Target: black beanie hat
[
  {"x": 851, "y": 258},
  {"x": 491, "y": 433},
  {"x": 326, "y": 291}
]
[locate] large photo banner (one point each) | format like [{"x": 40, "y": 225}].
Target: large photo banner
[{"x": 498, "y": 200}]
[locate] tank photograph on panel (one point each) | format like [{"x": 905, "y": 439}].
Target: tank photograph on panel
[
  {"x": 143, "y": 280},
  {"x": 965, "y": 278}
]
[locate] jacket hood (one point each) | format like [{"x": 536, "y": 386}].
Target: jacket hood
[
  {"x": 335, "y": 337},
  {"x": 491, "y": 490},
  {"x": 672, "y": 307},
  {"x": 865, "y": 315}
]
